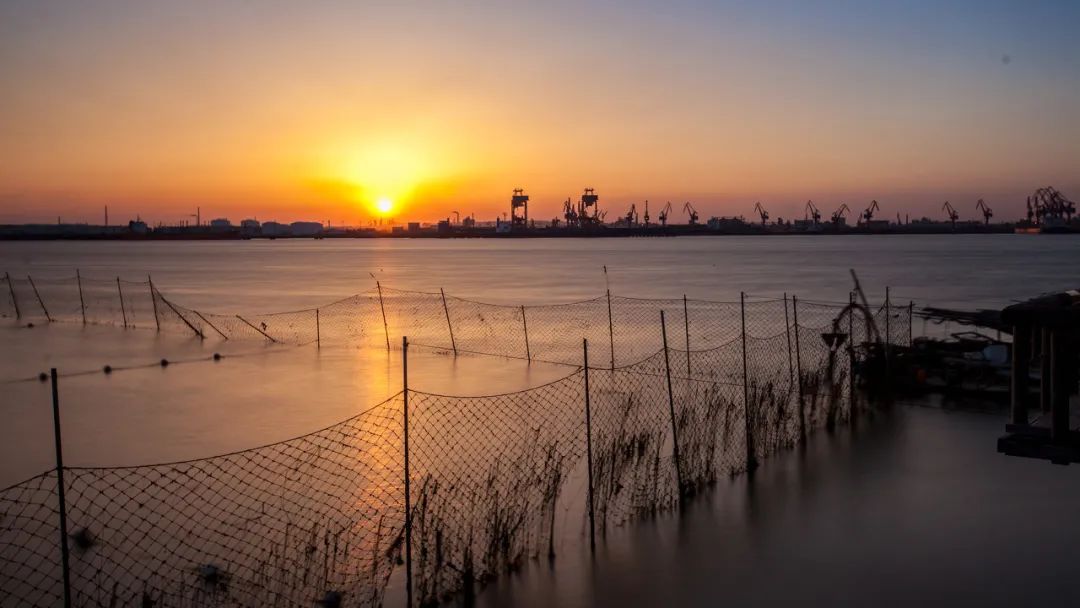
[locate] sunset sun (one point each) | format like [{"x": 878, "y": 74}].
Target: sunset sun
[{"x": 384, "y": 206}]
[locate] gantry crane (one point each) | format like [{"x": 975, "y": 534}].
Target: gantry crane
[
  {"x": 691, "y": 212},
  {"x": 838, "y": 215},
  {"x": 646, "y": 217},
  {"x": 953, "y": 215},
  {"x": 869, "y": 213},
  {"x": 664, "y": 214},
  {"x": 813, "y": 213},
  {"x": 1049, "y": 204},
  {"x": 761, "y": 211},
  {"x": 986, "y": 211},
  {"x": 589, "y": 200},
  {"x": 519, "y": 200}
]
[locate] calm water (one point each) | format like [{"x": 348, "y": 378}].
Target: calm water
[{"x": 916, "y": 508}]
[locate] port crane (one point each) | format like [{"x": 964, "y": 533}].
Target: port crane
[
  {"x": 838, "y": 215},
  {"x": 632, "y": 216},
  {"x": 986, "y": 210},
  {"x": 664, "y": 214},
  {"x": 691, "y": 212},
  {"x": 589, "y": 200},
  {"x": 646, "y": 214},
  {"x": 812, "y": 212},
  {"x": 762, "y": 212},
  {"x": 517, "y": 201},
  {"x": 1049, "y": 204},
  {"x": 869, "y": 213},
  {"x": 953, "y": 215}
]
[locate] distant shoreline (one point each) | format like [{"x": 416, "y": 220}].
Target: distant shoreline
[{"x": 491, "y": 233}]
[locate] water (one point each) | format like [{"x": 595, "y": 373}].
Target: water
[{"x": 920, "y": 492}]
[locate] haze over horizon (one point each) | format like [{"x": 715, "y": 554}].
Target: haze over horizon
[{"x": 318, "y": 111}]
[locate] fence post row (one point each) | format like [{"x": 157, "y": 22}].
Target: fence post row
[
  {"x": 386, "y": 329},
  {"x": 798, "y": 369},
  {"x": 446, "y": 309},
  {"x": 61, "y": 500},
  {"x": 153, "y": 299},
  {"x": 14, "y": 300},
  {"x": 40, "y": 301},
  {"x": 525, "y": 325},
  {"x": 686, "y": 323},
  {"x": 82, "y": 302},
  {"x": 610, "y": 327},
  {"x": 671, "y": 409},
  {"x": 588, "y": 447},
  {"x": 120, "y": 292},
  {"x": 751, "y": 458},
  {"x": 408, "y": 492}
]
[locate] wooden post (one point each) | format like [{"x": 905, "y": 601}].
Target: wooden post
[
  {"x": 212, "y": 326},
  {"x": 446, "y": 309},
  {"x": 910, "y": 322},
  {"x": 751, "y": 454},
  {"x": 525, "y": 325},
  {"x": 62, "y": 502},
  {"x": 318, "y": 330},
  {"x": 611, "y": 328},
  {"x": 14, "y": 300},
  {"x": 408, "y": 487},
  {"x": 1046, "y": 369},
  {"x": 671, "y": 409},
  {"x": 82, "y": 302},
  {"x": 386, "y": 329},
  {"x": 189, "y": 324},
  {"x": 252, "y": 326},
  {"x": 1021, "y": 360},
  {"x": 588, "y": 447},
  {"x": 123, "y": 310},
  {"x": 798, "y": 369},
  {"x": 153, "y": 299},
  {"x": 686, "y": 323},
  {"x": 38, "y": 296},
  {"x": 1059, "y": 386}
]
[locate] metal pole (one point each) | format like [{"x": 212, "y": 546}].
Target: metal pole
[
  {"x": 751, "y": 458},
  {"x": 318, "y": 330},
  {"x": 851, "y": 353},
  {"x": 611, "y": 329},
  {"x": 38, "y": 296},
  {"x": 446, "y": 309},
  {"x": 386, "y": 329},
  {"x": 14, "y": 300},
  {"x": 82, "y": 302},
  {"x": 910, "y": 322},
  {"x": 123, "y": 310},
  {"x": 525, "y": 325},
  {"x": 153, "y": 299},
  {"x": 671, "y": 409},
  {"x": 588, "y": 447},
  {"x": 787, "y": 330},
  {"x": 686, "y": 322},
  {"x": 408, "y": 491},
  {"x": 64, "y": 553},
  {"x": 798, "y": 368}
]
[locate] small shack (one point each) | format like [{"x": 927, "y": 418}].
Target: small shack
[{"x": 1046, "y": 331}]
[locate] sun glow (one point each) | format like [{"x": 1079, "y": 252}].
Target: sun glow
[{"x": 384, "y": 206}]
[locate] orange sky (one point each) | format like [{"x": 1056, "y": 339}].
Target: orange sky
[{"x": 285, "y": 113}]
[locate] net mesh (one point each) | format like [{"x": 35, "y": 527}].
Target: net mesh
[{"x": 494, "y": 480}]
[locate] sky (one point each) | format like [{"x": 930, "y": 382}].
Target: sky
[{"x": 319, "y": 110}]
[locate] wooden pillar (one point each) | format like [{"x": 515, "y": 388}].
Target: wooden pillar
[
  {"x": 1021, "y": 361},
  {"x": 1059, "y": 385}
]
